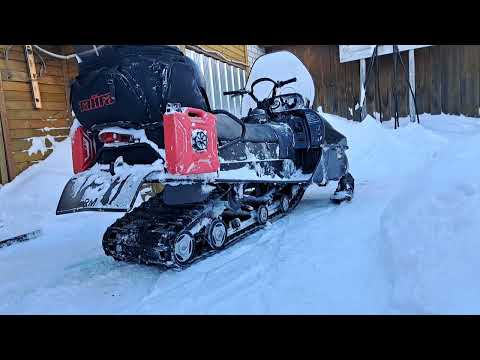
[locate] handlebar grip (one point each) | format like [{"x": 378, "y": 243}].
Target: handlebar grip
[
  {"x": 229, "y": 92},
  {"x": 289, "y": 81}
]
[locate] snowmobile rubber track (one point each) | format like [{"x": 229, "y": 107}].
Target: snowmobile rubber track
[{"x": 146, "y": 235}]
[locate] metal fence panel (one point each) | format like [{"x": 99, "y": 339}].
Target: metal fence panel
[{"x": 220, "y": 77}]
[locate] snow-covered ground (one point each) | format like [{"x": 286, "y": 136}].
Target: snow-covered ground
[{"x": 407, "y": 243}]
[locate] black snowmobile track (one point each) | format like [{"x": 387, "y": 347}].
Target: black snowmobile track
[{"x": 147, "y": 233}]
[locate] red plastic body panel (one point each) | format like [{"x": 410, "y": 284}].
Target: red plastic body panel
[
  {"x": 83, "y": 150},
  {"x": 191, "y": 142}
]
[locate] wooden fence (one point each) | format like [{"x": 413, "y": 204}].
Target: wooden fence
[
  {"x": 22, "y": 123},
  {"x": 447, "y": 80}
]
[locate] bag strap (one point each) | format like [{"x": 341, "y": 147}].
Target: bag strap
[
  {"x": 137, "y": 90},
  {"x": 111, "y": 84}
]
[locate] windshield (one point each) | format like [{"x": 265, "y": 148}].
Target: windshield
[{"x": 278, "y": 66}]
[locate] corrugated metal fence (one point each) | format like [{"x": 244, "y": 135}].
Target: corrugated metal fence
[{"x": 220, "y": 77}]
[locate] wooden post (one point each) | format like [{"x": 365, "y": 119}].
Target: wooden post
[
  {"x": 32, "y": 69},
  {"x": 68, "y": 111},
  {"x": 363, "y": 69},
  {"x": 245, "y": 49},
  {"x": 6, "y": 134},
  {"x": 3, "y": 159},
  {"x": 411, "y": 78}
]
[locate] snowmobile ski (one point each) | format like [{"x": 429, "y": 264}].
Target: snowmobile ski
[{"x": 344, "y": 191}]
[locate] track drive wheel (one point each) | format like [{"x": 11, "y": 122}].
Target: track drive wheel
[
  {"x": 183, "y": 248},
  {"x": 284, "y": 204},
  {"x": 262, "y": 214},
  {"x": 217, "y": 234}
]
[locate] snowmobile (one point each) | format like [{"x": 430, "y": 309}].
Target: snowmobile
[{"x": 144, "y": 125}]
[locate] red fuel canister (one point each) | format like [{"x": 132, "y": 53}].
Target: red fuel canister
[{"x": 191, "y": 142}]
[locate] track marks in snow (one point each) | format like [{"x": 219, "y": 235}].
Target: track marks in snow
[{"x": 433, "y": 269}]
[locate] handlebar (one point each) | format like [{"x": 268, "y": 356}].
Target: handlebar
[
  {"x": 231, "y": 92},
  {"x": 235, "y": 92},
  {"x": 289, "y": 81},
  {"x": 277, "y": 84},
  {"x": 265, "y": 102}
]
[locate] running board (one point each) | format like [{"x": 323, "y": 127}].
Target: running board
[{"x": 98, "y": 190}]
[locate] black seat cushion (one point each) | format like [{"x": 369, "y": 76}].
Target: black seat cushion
[
  {"x": 277, "y": 133},
  {"x": 228, "y": 129}
]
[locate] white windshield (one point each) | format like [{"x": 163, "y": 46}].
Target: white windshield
[{"x": 278, "y": 66}]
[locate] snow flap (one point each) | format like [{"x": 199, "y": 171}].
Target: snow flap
[{"x": 101, "y": 191}]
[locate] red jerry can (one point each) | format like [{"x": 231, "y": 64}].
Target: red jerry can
[{"x": 191, "y": 142}]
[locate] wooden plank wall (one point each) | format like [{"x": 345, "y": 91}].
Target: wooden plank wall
[
  {"x": 231, "y": 52},
  {"x": 336, "y": 85},
  {"x": 386, "y": 81},
  {"x": 447, "y": 80},
  {"x": 24, "y": 121},
  {"x": 4, "y": 139}
]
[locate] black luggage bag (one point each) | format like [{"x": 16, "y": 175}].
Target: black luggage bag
[{"x": 131, "y": 85}]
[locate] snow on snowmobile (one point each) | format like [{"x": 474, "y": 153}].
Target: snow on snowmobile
[{"x": 144, "y": 123}]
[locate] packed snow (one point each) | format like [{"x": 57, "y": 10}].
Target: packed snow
[{"x": 406, "y": 243}]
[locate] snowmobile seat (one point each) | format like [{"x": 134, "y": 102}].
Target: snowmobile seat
[
  {"x": 228, "y": 130},
  {"x": 281, "y": 134}
]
